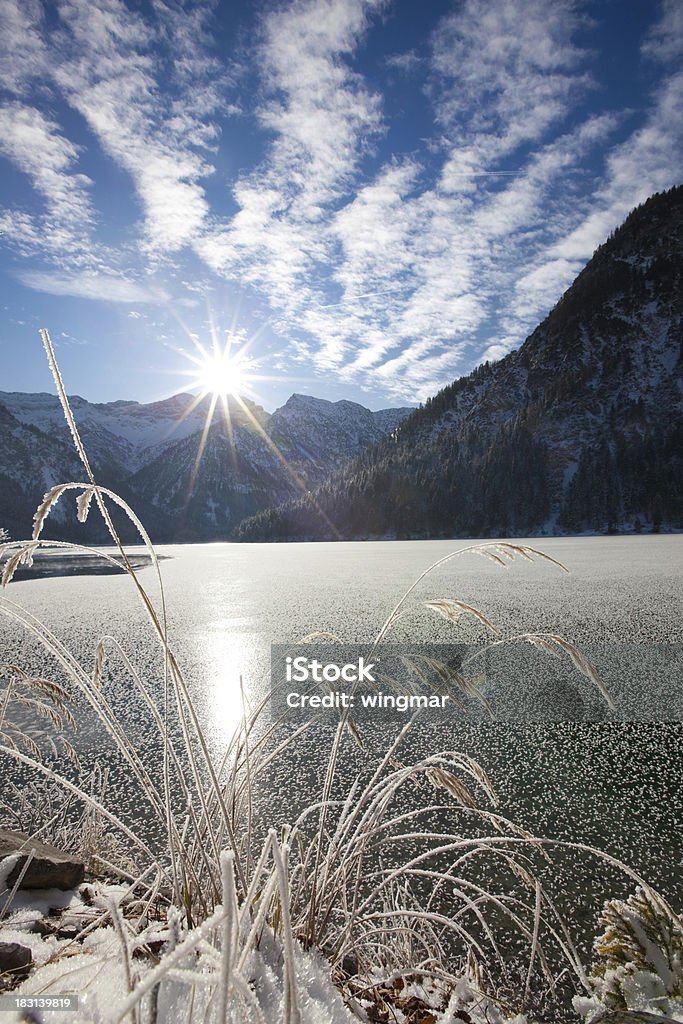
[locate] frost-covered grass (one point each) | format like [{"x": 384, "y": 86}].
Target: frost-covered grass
[{"x": 365, "y": 888}]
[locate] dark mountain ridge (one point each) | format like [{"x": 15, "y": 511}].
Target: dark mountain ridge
[{"x": 580, "y": 430}]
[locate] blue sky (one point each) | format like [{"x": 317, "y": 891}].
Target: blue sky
[{"x": 372, "y": 196}]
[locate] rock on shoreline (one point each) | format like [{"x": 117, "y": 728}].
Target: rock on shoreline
[{"x": 38, "y": 865}]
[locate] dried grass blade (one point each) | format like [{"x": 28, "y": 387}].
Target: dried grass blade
[
  {"x": 490, "y": 554},
  {"x": 24, "y": 556},
  {"x": 511, "y": 551},
  {"x": 452, "y": 610},
  {"x": 310, "y": 637},
  {"x": 440, "y": 778},
  {"x": 100, "y": 658},
  {"x": 542, "y": 643},
  {"x": 530, "y": 553},
  {"x": 585, "y": 666},
  {"x": 50, "y": 499},
  {"x": 355, "y": 733},
  {"x": 83, "y": 502}
]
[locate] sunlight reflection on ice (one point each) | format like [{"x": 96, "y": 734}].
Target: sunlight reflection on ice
[{"x": 225, "y": 657}]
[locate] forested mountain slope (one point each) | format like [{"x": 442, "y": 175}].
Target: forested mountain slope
[{"x": 579, "y": 430}]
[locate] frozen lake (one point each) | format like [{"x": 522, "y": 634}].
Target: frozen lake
[
  {"x": 227, "y": 603},
  {"x": 615, "y": 786}
]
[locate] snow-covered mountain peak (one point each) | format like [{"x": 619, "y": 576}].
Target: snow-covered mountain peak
[{"x": 151, "y": 451}]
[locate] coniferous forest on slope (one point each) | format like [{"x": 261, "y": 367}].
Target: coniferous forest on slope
[{"x": 579, "y": 430}]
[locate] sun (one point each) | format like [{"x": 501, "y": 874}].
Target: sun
[
  {"x": 223, "y": 377},
  {"x": 221, "y": 372}
]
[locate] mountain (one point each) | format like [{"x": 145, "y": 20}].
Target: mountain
[
  {"x": 122, "y": 434},
  {"x": 581, "y": 429},
  {"x": 244, "y": 469},
  {"x": 148, "y": 453},
  {"x": 344, "y": 427}
]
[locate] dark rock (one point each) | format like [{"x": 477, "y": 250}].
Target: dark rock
[
  {"x": 87, "y": 895},
  {"x": 15, "y": 960},
  {"x": 48, "y": 869},
  {"x": 41, "y": 927},
  {"x": 350, "y": 965}
]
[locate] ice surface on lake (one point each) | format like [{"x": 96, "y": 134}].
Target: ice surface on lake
[{"x": 615, "y": 786}]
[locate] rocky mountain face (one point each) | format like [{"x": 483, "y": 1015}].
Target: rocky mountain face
[
  {"x": 347, "y": 428},
  {"x": 581, "y": 429},
  {"x": 185, "y": 482}
]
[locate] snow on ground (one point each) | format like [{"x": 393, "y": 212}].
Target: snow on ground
[
  {"x": 102, "y": 947},
  {"x": 96, "y": 969}
]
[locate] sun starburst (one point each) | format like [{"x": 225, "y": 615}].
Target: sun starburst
[
  {"x": 223, "y": 376},
  {"x": 221, "y": 371}
]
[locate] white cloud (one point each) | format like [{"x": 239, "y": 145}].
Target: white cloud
[
  {"x": 23, "y": 54},
  {"x": 540, "y": 288},
  {"x": 506, "y": 71},
  {"x": 426, "y": 255},
  {"x": 21, "y": 230},
  {"x": 112, "y": 80},
  {"x": 413, "y": 261},
  {"x": 406, "y": 62},
  {"x": 35, "y": 144},
  {"x": 105, "y": 63},
  {"x": 319, "y": 109},
  {"x": 664, "y": 41},
  {"x": 648, "y": 161},
  {"x": 375, "y": 230},
  {"x": 416, "y": 255},
  {"x": 445, "y": 263},
  {"x": 321, "y": 117},
  {"x": 102, "y": 287}
]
